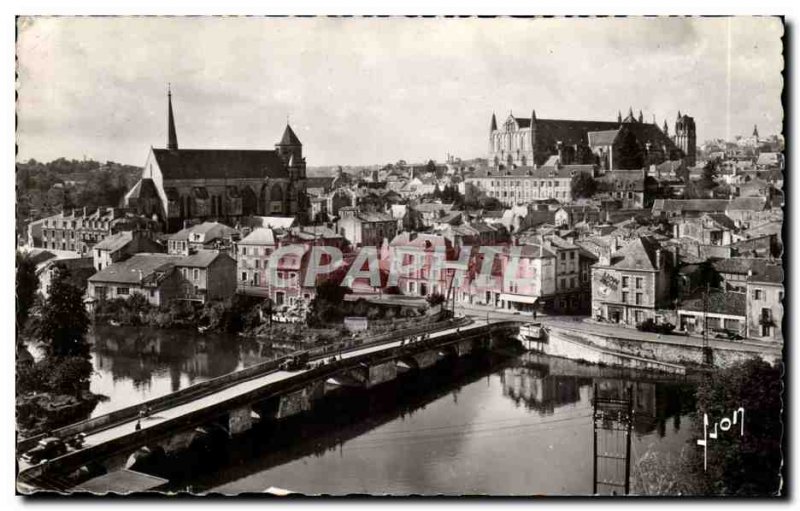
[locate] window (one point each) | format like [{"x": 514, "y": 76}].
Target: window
[
  {"x": 123, "y": 291},
  {"x": 624, "y": 281},
  {"x": 758, "y": 294},
  {"x": 638, "y": 298},
  {"x": 244, "y": 276},
  {"x": 638, "y": 282},
  {"x": 152, "y": 293},
  {"x": 572, "y": 255},
  {"x": 244, "y": 251},
  {"x": 638, "y": 316},
  {"x": 256, "y": 263},
  {"x": 625, "y": 297},
  {"x": 563, "y": 256},
  {"x": 196, "y": 274}
]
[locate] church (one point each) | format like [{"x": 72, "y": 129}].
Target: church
[
  {"x": 627, "y": 144},
  {"x": 219, "y": 184}
]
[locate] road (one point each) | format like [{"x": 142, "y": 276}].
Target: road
[
  {"x": 678, "y": 340},
  {"x": 241, "y": 388},
  {"x": 578, "y": 323}
]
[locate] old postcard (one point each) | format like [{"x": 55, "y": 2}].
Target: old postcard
[{"x": 400, "y": 256}]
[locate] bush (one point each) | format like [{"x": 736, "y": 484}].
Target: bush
[{"x": 435, "y": 299}]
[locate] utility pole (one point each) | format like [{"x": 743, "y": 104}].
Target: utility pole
[
  {"x": 707, "y": 354},
  {"x": 611, "y": 416}
]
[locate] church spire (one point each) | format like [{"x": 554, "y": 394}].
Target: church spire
[
  {"x": 172, "y": 137},
  {"x": 666, "y": 128},
  {"x": 493, "y": 126},
  {"x": 755, "y": 131},
  {"x": 641, "y": 117},
  {"x": 619, "y": 116}
]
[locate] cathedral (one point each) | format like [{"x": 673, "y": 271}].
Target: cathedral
[
  {"x": 628, "y": 143},
  {"x": 220, "y": 184}
]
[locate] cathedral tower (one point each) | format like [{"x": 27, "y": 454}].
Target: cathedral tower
[{"x": 686, "y": 138}]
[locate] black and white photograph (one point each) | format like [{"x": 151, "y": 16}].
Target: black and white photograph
[{"x": 326, "y": 256}]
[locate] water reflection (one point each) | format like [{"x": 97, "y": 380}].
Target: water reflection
[
  {"x": 135, "y": 364},
  {"x": 518, "y": 426}
]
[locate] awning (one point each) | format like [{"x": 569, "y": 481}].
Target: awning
[{"x": 518, "y": 298}]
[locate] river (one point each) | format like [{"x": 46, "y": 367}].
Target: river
[{"x": 501, "y": 425}]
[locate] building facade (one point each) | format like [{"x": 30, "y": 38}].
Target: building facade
[
  {"x": 224, "y": 184},
  {"x": 632, "y": 284},
  {"x": 532, "y": 141}
]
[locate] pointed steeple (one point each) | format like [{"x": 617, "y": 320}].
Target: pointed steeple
[
  {"x": 619, "y": 116},
  {"x": 679, "y": 114},
  {"x": 533, "y": 116},
  {"x": 493, "y": 126},
  {"x": 755, "y": 130},
  {"x": 289, "y": 138},
  {"x": 665, "y": 129},
  {"x": 172, "y": 136},
  {"x": 641, "y": 117}
]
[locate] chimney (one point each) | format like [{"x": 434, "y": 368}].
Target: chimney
[{"x": 659, "y": 258}]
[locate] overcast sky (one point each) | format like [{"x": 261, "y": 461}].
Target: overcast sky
[{"x": 364, "y": 91}]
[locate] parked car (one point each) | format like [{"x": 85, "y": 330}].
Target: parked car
[
  {"x": 47, "y": 449},
  {"x": 295, "y": 362},
  {"x": 728, "y": 335}
]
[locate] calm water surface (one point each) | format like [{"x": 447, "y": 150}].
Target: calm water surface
[{"x": 516, "y": 425}]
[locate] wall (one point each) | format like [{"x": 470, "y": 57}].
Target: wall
[{"x": 653, "y": 350}]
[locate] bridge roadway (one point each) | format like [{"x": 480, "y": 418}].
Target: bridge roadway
[{"x": 220, "y": 400}]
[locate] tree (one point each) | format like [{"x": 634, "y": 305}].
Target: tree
[
  {"x": 746, "y": 464},
  {"x": 64, "y": 322},
  {"x": 26, "y": 285},
  {"x": 710, "y": 172},
  {"x": 583, "y": 185},
  {"x": 430, "y": 166}
]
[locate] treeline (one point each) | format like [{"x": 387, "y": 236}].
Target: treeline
[{"x": 45, "y": 189}]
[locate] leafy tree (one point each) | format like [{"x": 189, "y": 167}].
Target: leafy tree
[
  {"x": 71, "y": 375},
  {"x": 435, "y": 299},
  {"x": 748, "y": 464},
  {"x": 430, "y": 166},
  {"x": 710, "y": 172},
  {"x": 26, "y": 285},
  {"x": 64, "y": 322},
  {"x": 705, "y": 276},
  {"x": 583, "y": 185}
]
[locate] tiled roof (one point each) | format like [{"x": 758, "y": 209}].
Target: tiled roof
[
  {"x": 133, "y": 270},
  {"x": 143, "y": 188},
  {"x": 219, "y": 164},
  {"x": 259, "y": 236},
  {"x": 543, "y": 172},
  {"x": 722, "y": 220},
  {"x": 693, "y": 205},
  {"x": 734, "y": 304},
  {"x": 748, "y": 204},
  {"x": 115, "y": 241},
  {"x": 200, "y": 259},
  {"x": 639, "y": 254},
  {"x": 602, "y": 138},
  {"x": 431, "y": 207},
  {"x": 763, "y": 270}
]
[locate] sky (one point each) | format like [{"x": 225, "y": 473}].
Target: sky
[{"x": 362, "y": 91}]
